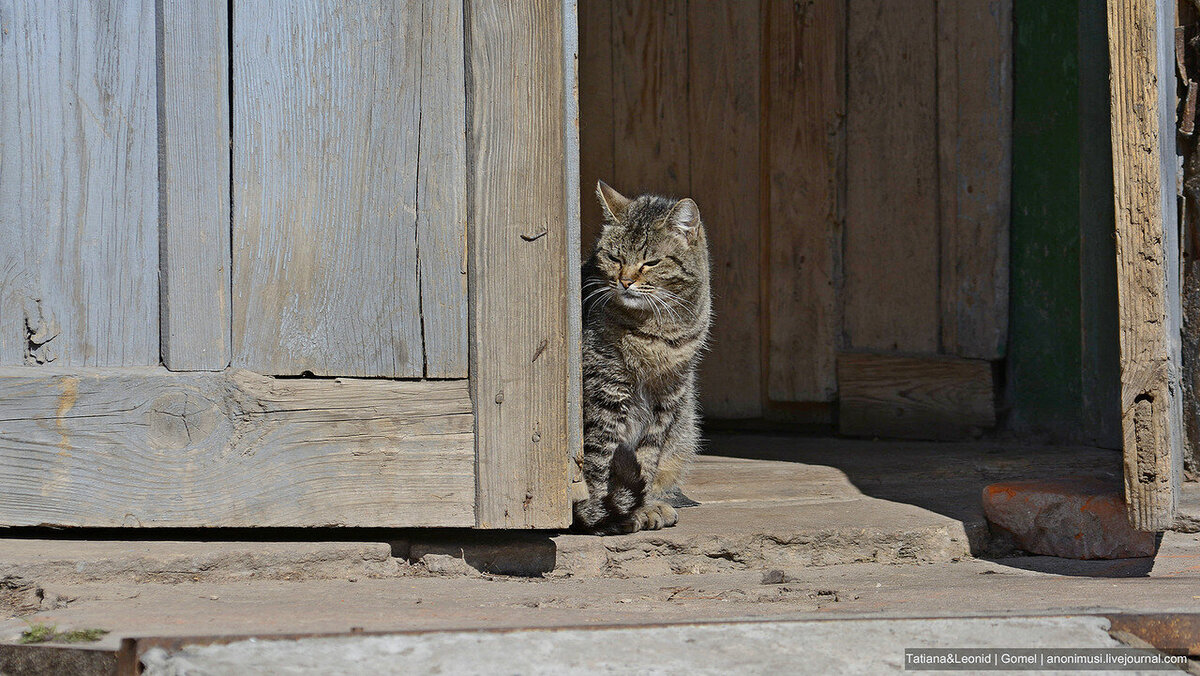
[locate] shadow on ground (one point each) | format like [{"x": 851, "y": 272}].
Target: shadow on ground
[{"x": 946, "y": 478}]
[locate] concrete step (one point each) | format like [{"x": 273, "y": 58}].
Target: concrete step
[
  {"x": 171, "y": 562},
  {"x": 754, "y": 515}
]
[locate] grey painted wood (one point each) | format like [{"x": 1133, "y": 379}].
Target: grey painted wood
[
  {"x": 326, "y": 115},
  {"x": 78, "y": 183},
  {"x": 194, "y": 174},
  {"x": 518, "y": 256},
  {"x": 146, "y": 447},
  {"x": 1140, "y": 41},
  {"x": 442, "y": 192},
  {"x": 577, "y": 487}
]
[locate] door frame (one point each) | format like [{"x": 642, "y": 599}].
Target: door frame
[{"x": 1141, "y": 40}]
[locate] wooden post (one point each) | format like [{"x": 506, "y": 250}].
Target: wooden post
[
  {"x": 1140, "y": 34},
  {"x": 519, "y": 234}
]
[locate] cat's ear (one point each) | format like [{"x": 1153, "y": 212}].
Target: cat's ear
[
  {"x": 612, "y": 202},
  {"x": 685, "y": 218}
]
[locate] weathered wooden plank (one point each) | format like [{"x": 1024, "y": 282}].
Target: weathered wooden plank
[
  {"x": 596, "y": 113},
  {"x": 1141, "y": 35},
  {"x": 805, "y": 143},
  {"x": 326, "y": 115},
  {"x": 974, "y": 92},
  {"x": 914, "y": 397},
  {"x": 518, "y": 255},
  {"x": 193, "y": 172},
  {"x": 78, "y": 183},
  {"x": 442, "y": 192},
  {"x": 891, "y": 236},
  {"x": 146, "y": 447},
  {"x": 577, "y": 487},
  {"x": 650, "y": 98},
  {"x": 724, "y": 118}
]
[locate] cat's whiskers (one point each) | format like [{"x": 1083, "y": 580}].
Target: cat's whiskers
[
  {"x": 678, "y": 302},
  {"x": 604, "y": 293}
]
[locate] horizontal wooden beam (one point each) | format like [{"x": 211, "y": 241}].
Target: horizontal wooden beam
[
  {"x": 146, "y": 447},
  {"x": 921, "y": 397}
]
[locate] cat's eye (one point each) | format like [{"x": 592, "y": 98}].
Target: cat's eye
[
  {"x": 611, "y": 257},
  {"x": 650, "y": 264}
]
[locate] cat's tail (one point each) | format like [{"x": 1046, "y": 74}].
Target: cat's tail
[{"x": 610, "y": 508}]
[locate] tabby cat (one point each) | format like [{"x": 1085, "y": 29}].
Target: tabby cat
[{"x": 646, "y": 313}]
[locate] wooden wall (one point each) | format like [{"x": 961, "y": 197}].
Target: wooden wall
[
  {"x": 851, "y": 161},
  {"x": 200, "y": 202}
]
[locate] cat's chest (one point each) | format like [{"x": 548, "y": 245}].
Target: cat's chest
[{"x": 651, "y": 361}]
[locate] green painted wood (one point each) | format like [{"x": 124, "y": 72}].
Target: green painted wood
[
  {"x": 1045, "y": 353},
  {"x": 1101, "y": 376}
]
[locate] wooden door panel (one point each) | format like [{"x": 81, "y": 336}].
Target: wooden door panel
[
  {"x": 346, "y": 254},
  {"x": 194, "y": 170},
  {"x": 147, "y": 447},
  {"x": 325, "y": 140},
  {"x": 78, "y": 183},
  {"x": 442, "y": 192}
]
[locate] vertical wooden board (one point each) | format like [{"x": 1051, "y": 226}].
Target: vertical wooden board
[
  {"x": 891, "y": 238},
  {"x": 326, "y": 116},
  {"x": 974, "y": 90},
  {"x": 78, "y": 183},
  {"x": 650, "y": 98},
  {"x": 723, "y": 106},
  {"x": 577, "y": 488},
  {"x": 193, "y": 125},
  {"x": 518, "y": 282},
  {"x": 442, "y": 192},
  {"x": 1143, "y": 174},
  {"x": 805, "y": 145},
  {"x": 596, "y": 113},
  {"x": 1100, "y": 352},
  {"x": 1044, "y": 358}
]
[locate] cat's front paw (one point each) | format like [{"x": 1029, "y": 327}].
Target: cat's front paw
[{"x": 656, "y": 515}]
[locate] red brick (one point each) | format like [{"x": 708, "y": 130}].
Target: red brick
[{"x": 1075, "y": 518}]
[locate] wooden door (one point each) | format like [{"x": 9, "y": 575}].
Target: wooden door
[
  {"x": 286, "y": 275},
  {"x": 1141, "y": 49}
]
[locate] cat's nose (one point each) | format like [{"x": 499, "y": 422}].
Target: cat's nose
[{"x": 625, "y": 283}]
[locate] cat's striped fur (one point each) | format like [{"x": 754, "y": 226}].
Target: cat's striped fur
[{"x": 646, "y": 317}]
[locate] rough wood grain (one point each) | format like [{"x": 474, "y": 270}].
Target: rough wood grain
[
  {"x": 914, "y": 397},
  {"x": 1140, "y": 38},
  {"x": 596, "y": 113},
  {"x": 518, "y": 283},
  {"x": 146, "y": 447},
  {"x": 805, "y": 164},
  {"x": 891, "y": 238},
  {"x": 650, "y": 98},
  {"x": 193, "y": 171},
  {"x": 724, "y": 111},
  {"x": 974, "y": 92},
  {"x": 442, "y": 192},
  {"x": 78, "y": 183},
  {"x": 326, "y": 116},
  {"x": 577, "y": 488}
]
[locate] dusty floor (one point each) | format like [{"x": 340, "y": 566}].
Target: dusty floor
[{"x": 838, "y": 529}]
